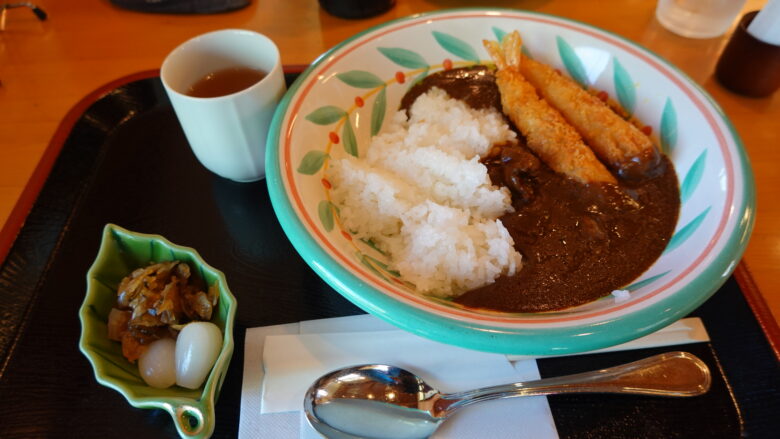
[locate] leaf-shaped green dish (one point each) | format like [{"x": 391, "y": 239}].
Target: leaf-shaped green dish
[{"x": 122, "y": 251}]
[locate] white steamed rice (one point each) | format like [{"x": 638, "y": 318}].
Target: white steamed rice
[{"x": 422, "y": 196}]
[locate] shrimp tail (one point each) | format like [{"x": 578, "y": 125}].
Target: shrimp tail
[
  {"x": 547, "y": 133},
  {"x": 507, "y": 53}
]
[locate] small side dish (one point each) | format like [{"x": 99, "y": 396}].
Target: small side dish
[{"x": 205, "y": 347}]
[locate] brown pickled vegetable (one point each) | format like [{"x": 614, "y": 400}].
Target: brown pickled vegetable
[{"x": 152, "y": 302}]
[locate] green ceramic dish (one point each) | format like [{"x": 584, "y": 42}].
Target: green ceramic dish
[{"x": 121, "y": 251}]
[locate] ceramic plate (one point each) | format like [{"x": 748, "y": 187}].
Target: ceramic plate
[{"x": 344, "y": 98}]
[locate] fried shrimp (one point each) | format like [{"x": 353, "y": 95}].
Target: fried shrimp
[
  {"x": 547, "y": 133},
  {"x": 618, "y": 143}
]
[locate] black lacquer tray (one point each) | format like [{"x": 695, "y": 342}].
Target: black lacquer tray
[{"x": 120, "y": 156}]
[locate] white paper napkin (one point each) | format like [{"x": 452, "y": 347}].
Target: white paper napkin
[
  {"x": 515, "y": 418},
  {"x": 473, "y": 422},
  {"x": 293, "y": 362}
]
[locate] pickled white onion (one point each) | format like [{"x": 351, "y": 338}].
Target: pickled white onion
[
  {"x": 197, "y": 348},
  {"x": 157, "y": 365}
]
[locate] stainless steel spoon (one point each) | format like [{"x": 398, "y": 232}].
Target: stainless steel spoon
[{"x": 385, "y": 402}]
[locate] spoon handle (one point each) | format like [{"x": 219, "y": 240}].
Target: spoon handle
[{"x": 667, "y": 374}]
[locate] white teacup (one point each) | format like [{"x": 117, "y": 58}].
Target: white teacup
[{"x": 227, "y": 133}]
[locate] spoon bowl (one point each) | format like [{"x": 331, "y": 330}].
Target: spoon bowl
[{"x": 378, "y": 401}]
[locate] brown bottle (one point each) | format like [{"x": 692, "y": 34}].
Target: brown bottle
[{"x": 748, "y": 65}]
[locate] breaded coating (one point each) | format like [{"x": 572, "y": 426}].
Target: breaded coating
[
  {"x": 547, "y": 133},
  {"x": 617, "y": 142}
]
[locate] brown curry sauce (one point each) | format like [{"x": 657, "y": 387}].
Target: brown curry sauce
[{"x": 579, "y": 242}]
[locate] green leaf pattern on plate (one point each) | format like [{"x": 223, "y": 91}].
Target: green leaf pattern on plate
[
  {"x": 419, "y": 77},
  {"x": 693, "y": 177},
  {"x": 378, "y": 111},
  {"x": 360, "y": 79},
  {"x": 312, "y": 162},
  {"x": 499, "y": 33},
  {"x": 404, "y": 57},
  {"x": 572, "y": 62},
  {"x": 668, "y": 127},
  {"x": 456, "y": 46},
  {"x": 373, "y": 245},
  {"x": 326, "y": 115},
  {"x": 366, "y": 261},
  {"x": 684, "y": 233},
  {"x": 348, "y": 139},
  {"x": 325, "y": 212},
  {"x": 383, "y": 266},
  {"x": 624, "y": 87}
]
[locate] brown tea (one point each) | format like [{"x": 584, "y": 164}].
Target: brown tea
[{"x": 225, "y": 81}]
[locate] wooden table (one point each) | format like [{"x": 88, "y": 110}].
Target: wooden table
[{"x": 46, "y": 67}]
